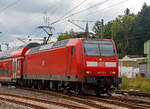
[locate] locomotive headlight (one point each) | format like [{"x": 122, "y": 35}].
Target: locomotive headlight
[
  {"x": 88, "y": 72},
  {"x": 112, "y": 72},
  {"x": 100, "y": 59}
]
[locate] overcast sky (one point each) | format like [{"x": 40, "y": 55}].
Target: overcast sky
[{"x": 19, "y": 18}]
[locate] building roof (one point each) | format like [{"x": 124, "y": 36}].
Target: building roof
[{"x": 127, "y": 58}]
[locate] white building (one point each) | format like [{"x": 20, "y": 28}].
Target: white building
[{"x": 130, "y": 66}]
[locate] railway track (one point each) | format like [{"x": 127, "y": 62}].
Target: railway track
[
  {"x": 133, "y": 93},
  {"x": 34, "y": 102},
  {"x": 72, "y": 98},
  {"x": 92, "y": 100},
  {"x": 123, "y": 102}
]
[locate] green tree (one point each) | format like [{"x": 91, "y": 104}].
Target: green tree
[
  {"x": 127, "y": 11},
  {"x": 120, "y": 30},
  {"x": 117, "y": 35},
  {"x": 141, "y": 29},
  {"x": 144, "y": 5},
  {"x": 107, "y": 30},
  {"x": 65, "y": 35},
  {"x": 121, "y": 34},
  {"x": 97, "y": 28},
  {"x": 128, "y": 31}
]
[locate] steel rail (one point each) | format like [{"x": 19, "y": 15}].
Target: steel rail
[
  {"x": 43, "y": 101},
  {"x": 72, "y": 98}
]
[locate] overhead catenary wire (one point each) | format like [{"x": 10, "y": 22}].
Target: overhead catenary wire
[
  {"x": 69, "y": 12},
  {"x": 53, "y": 11},
  {"x": 57, "y": 7},
  {"x": 93, "y": 6},
  {"x": 74, "y": 8},
  {"x": 114, "y": 5},
  {"x": 66, "y": 15},
  {"x": 9, "y": 5},
  {"x": 98, "y": 4},
  {"x": 111, "y": 6},
  {"x": 84, "y": 20},
  {"x": 26, "y": 20}
]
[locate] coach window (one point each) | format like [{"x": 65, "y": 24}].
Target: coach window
[
  {"x": 18, "y": 63},
  {"x": 72, "y": 51}
]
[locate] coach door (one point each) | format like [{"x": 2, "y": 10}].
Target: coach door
[{"x": 14, "y": 73}]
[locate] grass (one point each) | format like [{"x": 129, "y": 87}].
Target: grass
[{"x": 135, "y": 84}]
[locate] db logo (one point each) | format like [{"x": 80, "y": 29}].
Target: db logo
[
  {"x": 101, "y": 64},
  {"x": 43, "y": 63}
]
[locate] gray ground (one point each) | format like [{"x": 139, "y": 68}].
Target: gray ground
[{"x": 13, "y": 90}]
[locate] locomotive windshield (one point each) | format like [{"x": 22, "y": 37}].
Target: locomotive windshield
[
  {"x": 91, "y": 49},
  {"x": 107, "y": 50},
  {"x": 98, "y": 48}
]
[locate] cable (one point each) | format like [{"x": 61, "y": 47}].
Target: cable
[
  {"x": 68, "y": 12},
  {"x": 101, "y": 3},
  {"x": 10, "y": 5},
  {"x": 74, "y": 8},
  {"x": 114, "y": 5},
  {"x": 98, "y": 4},
  {"x": 103, "y": 8},
  {"x": 55, "y": 9},
  {"x": 84, "y": 20}
]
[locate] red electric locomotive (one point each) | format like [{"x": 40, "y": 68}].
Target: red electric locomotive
[{"x": 77, "y": 65}]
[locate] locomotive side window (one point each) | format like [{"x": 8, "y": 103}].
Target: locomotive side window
[{"x": 72, "y": 51}]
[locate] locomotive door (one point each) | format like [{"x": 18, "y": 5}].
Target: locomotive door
[{"x": 14, "y": 73}]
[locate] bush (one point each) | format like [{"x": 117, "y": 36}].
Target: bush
[
  {"x": 140, "y": 84},
  {"x": 125, "y": 83}
]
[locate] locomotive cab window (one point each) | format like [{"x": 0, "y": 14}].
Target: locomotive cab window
[
  {"x": 98, "y": 48},
  {"x": 91, "y": 49},
  {"x": 107, "y": 50},
  {"x": 72, "y": 51}
]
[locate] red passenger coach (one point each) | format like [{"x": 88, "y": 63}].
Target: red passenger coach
[
  {"x": 11, "y": 63},
  {"x": 73, "y": 64}
]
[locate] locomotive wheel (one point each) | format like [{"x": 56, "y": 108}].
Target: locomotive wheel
[
  {"x": 21, "y": 84},
  {"x": 35, "y": 85},
  {"x": 110, "y": 91},
  {"x": 66, "y": 91},
  {"x": 98, "y": 93},
  {"x": 53, "y": 86},
  {"x": 109, "y": 94},
  {"x": 18, "y": 84},
  {"x": 40, "y": 87},
  {"x": 77, "y": 90}
]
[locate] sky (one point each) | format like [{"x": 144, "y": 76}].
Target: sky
[{"x": 20, "y": 18}]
